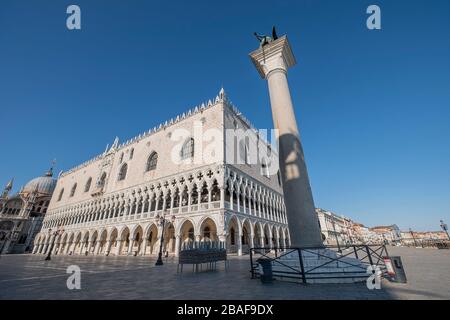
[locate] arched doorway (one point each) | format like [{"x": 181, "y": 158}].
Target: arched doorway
[
  {"x": 63, "y": 244},
  {"x": 187, "y": 233},
  {"x": 152, "y": 240},
  {"x": 246, "y": 236},
  {"x": 93, "y": 243},
  {"x": 267, "y": 237},
  {"x": 232, "y": 236},
  {"x": 84, "y": 243},
  {"x": 169, "y": 238},
  {"x": 208, "y": 230},
  {"x": 102, "y": 246},
  {"x": 125, "y": 241},
  {"x": 257, "y": 238},
  {"x": 70, "y": 244},
  {"x": 137, "y": 240},
  {"x": 113, "y": 245}
]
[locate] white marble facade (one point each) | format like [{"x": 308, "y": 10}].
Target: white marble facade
[{"x": 111, "y": 204}]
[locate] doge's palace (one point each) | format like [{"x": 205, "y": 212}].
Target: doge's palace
[{"x": 112, "y": 204}]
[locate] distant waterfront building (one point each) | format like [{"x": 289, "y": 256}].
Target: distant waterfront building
[
  {"x": 334, "y": 228},
  {"x": 112, "y": 205},
  {"x": 386, "y": 234},
  {"x": 409, "y": 238},
  {"x": 362, "y": 233},
  {"x": 22, "y": 214}
]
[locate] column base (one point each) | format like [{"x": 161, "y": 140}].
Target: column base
[{"x": 322, "y": 267}]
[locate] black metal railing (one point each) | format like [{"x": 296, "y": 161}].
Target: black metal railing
[{"x": 353, "y": 261}]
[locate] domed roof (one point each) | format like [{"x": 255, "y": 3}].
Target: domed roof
[{"x": 45, "y": 184}]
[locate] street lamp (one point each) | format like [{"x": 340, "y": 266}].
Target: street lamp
[
  {"x": 162, "y": 221},
  {"x": 55, "y": 234},
  {"x": 445, "y": 228},
  {"x": 412, "y": 234}
]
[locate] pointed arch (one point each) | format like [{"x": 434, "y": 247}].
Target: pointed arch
[
  {"x": 73, "y": 190},
  {"x": 187, "y": 150},
  {"x": 152, "y": 162},
  {"x": 87, "y": 187},
  {"x": 123, "y": 172}
]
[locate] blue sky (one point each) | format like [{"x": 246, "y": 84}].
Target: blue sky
[{"x": 373, "y": 106}]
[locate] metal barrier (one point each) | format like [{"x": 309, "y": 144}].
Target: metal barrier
[
  {"x": 197, "y": 253},
  {"x": 367, "y": 255}
]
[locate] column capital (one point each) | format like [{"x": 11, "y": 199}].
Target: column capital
[{"x": 276, "y": 55}]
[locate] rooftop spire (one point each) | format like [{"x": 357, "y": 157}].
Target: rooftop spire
[
  {"x": 222, "y": 93},
  {"x": 9, "y": 185},
  {"x": 7, "y": 189}
]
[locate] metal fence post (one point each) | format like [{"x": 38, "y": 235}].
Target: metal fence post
[
  {"x": 369, "y": 256},
  {"x": 356, "y": 252},
  {"x": 301, "y": 265}
]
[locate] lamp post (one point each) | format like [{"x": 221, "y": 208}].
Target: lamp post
[
  {"x": 445, "y": 228},
  {"x": 55, "y": 234},
  {"x": 412, "y": 234},
  {"x": 162, "y": 222}
]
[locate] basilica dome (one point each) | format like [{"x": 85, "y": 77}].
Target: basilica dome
[{"x": 45, "y": 184}]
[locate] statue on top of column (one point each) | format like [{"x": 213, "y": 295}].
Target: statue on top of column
[{"x": 265, "y": 39}]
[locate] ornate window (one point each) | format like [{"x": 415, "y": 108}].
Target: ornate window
[
  {"x": 102, "y": 181},
  {"x": 74, "y": 188},
  {"x": 88, "y": 185},
  {"x": 152, "y": 161},
  {"x": 61, "y": 194},
  {"x": 132, "y": 154},
  {"x": 187, "y": 151},
  {"x": 123, "y": 172}
]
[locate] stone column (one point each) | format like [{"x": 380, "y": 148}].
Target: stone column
[
  {"x": 222, "y": 196},
  {"x": 88, "y": 249},
  {"x": 177, "y": 245},
  {"x": 67, "y": 249},
  {"x": 108, "y": 247},
  {"x": 144, "y": 246},
  {"x": 239, "y": 242},
  {"x": 130, "y": 246},
  {"x": 97, "y": 247},
  {"x": 231, "y": 198},
  {"x": 56, "y": 247},
  {"x": 272, "y": 62},
  {"x": 118, "y": 247}
]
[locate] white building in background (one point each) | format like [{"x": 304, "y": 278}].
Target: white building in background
[
  {"x": 334, "y": 228},
  {"x": 111, "y": 205},
  {"x": 22, "y": 214},
  {"x": 386, "y": 234}
]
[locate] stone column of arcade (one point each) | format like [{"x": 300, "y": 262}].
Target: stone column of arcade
[{"x": 272, "y": 61}]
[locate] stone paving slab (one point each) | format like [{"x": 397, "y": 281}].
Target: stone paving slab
[{"x": 30, "y": 277}]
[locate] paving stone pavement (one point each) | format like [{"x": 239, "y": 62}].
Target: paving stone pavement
[{"x": 30, "y": 277}]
